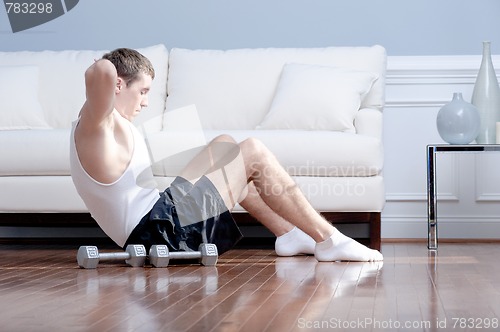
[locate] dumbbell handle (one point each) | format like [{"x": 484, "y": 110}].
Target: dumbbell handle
[
  {"x": 185, "y": 254},
  {"x": 110, "y": 256}
]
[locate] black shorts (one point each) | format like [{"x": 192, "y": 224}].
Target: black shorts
[{"x": 185, "y": 216}]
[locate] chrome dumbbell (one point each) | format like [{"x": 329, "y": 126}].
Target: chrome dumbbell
[
  {"x": 159, "y": 255},
  {"x": 88, "y": 257}
]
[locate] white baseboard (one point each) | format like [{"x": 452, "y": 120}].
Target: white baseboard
[{"x": 448, "y": 228}]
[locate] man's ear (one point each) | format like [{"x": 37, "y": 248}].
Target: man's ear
[{"x": 119, "y": 85}]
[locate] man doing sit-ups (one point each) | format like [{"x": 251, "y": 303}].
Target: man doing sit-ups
[{"x": 108, "y": 155}]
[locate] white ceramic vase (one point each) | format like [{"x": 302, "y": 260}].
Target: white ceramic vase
[
  {"x": 486, "y": 98},
  {"x": 458, "y": 121}
]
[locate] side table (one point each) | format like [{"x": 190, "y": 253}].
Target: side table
[{"x": 432, "y": 150}]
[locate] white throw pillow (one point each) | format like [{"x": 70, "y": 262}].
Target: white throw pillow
[
  {"x": 19, "y": 105},
  {"x": 314, "y": 97}
]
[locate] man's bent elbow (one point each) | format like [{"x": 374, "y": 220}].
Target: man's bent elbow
[{"x": 102, "y": 71}]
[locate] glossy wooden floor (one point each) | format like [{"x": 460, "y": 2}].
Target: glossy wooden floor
[{"x": 42, "y": 289}]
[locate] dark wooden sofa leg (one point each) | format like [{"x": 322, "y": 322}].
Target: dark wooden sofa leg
[{"x": 375, "y": 230}]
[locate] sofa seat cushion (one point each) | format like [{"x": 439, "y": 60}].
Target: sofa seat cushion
[
  {"x": 35, "y": 194},
  {"x": 331, "y": 194},
  {"x": 301, "y": 152},
  {"x": 318, "y": 153},
  {"x": 34, "y": 152}
]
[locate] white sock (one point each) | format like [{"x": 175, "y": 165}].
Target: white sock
[
  {"x": 342, "y": 248},
  {"x": 295, "y": 242}
]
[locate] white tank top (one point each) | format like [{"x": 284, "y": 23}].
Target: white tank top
[{"x": 119, "y": 206}]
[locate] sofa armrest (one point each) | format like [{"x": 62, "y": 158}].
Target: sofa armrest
[{"x": 368, "y": 122}]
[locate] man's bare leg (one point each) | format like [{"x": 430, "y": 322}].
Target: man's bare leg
[
  {"x": 290, "y": 240},
  {"x": 281, "y": 194}
]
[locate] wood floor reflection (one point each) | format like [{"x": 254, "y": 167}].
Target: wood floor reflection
[{"x": 458, "y": 289}]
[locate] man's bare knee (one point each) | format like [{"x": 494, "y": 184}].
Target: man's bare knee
[
  {"x": 224, "y": 138},
  {"x": 253, "y": 148},
  {"x": 257, "y": 156}
]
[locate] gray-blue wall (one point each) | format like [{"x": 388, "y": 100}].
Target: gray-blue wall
[{"x": 416, "y": 27}]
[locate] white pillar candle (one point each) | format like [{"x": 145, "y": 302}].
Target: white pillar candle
[{"x": 498, "y": 133}]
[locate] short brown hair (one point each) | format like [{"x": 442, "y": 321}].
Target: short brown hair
[{"x": 129, "y": 63}]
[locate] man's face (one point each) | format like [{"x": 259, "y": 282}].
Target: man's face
[{"x": 132, "y": 98}]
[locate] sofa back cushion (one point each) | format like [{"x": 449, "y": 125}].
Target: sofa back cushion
[
  {"x": 234, "y": 89},
  {"x": 61, "y": 85}
]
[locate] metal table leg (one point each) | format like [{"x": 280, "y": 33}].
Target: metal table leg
[{"x": 431, "y": 199}]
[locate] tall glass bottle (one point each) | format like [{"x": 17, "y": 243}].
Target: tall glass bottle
[{"x": 486, "y": 98}]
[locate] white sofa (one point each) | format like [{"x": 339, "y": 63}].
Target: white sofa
[{"x": 318, "y": 109}]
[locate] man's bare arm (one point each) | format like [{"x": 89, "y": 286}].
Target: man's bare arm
[
  {"x": 94, "y": 135},
  {"x": 100, "y": 82}
]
